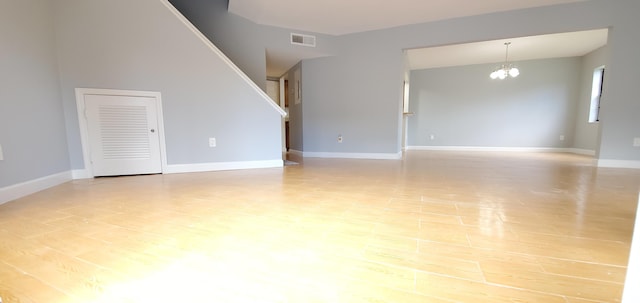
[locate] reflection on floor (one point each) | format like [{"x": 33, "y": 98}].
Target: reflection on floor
[{"x": 433, "y": 227}]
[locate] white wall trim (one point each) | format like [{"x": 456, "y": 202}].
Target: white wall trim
[
  {"x": 218, "y": 166},
  {"x": 618, "y": 163},
  {"x": 377, "y": 156},
  {"x": 81, "y": 174},
  {"x": 222, "y": 56},
  {"x": 581, "y": 151},
  {"x": 20, "y": 190},
  {"x": 506, "y": 149}
]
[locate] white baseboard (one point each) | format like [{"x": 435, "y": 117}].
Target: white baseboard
[
  {"x": 581, "y": 151},
  {"x": 198, "y": 167},
  {"x": 202, "y": 167},
  {"x": 20, "y": 190},
  {"x": 506, "y": 149},
  {"x": 80, "y": 174},
  {"x": 377, "y": 156},
  {"x": 618, "y": 163}
]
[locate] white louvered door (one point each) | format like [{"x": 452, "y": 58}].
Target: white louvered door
[{"x": 123, "y": 135}]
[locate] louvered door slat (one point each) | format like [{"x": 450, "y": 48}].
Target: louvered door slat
[
  {"x": 123, "y": 140},
  {"x": 124, "y": 133}
]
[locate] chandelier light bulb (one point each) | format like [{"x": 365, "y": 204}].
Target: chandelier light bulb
[{"x": 514, "y": 72}]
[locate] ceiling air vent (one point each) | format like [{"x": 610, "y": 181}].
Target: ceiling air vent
[{"x": 306, "y": 40}]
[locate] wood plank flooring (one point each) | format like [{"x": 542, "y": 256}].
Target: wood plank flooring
[{"x": 434, "y": 227}]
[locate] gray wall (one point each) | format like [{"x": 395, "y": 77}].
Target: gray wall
[
  {"x": 358, "y": 89},
  {"x": 244, "y": 41},
  {"x": 586, "y": 134},
  {"x": 462, "y": 106},
  {"x": 620, "y": 105},
  {"x": 140, "y": 45},
  {"x": 240, "y": 39},
  {"x": 356, "y": 92},
  {"x": 32, "y": 132}
]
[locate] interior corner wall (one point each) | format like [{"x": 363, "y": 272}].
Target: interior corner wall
[
  {"x": 240, "y": 39},
  {"x": 245, "y": 42},
  {"x": 462, "y": 106},
  {"x": 620, "y": 106},
  {"x": 586, "y": 135},
  {"x": 355, "y": 94},
  {"x": 146, "y": 47},
  {"x": 32, "y": 129}
]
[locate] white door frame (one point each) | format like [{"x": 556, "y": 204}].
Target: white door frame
[
  {"x": 281, "y": 102},
  {"x": 84, "y": 131}
]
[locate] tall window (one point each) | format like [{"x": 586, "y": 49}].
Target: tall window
[
  {"x": 596, "y": 94},
  {"x": 405, "y": 97}
]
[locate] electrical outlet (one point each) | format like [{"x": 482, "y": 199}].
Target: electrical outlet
[
  {"x": 636, "y": 143},
  {"x": 339, "y": 138},
  {"x": 1, "y": 158},
  {"x": 561, "y": 137},
  {"x": 432, "y": 137},
  {"x": 212, "y": 142}
]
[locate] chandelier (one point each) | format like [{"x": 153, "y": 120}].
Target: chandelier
[{"x": 506, "y": 69}]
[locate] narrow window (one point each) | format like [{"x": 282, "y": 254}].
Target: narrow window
[
  {"x": 405, "y": 97},
  {"x": 596, "y": 94}
]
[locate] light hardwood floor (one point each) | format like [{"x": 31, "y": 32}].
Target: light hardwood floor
[{"x": 434, "y": 227}]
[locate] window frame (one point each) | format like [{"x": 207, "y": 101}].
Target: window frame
[{"x": 597, "y": 86}]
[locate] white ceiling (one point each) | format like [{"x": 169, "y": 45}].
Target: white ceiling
[{"x": 338, "y": 17}]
